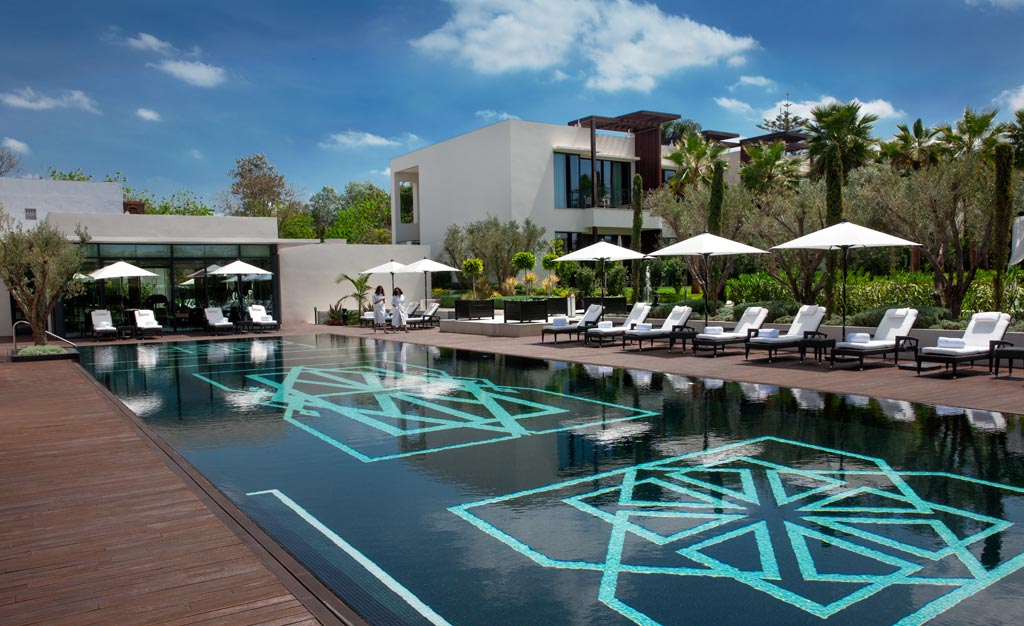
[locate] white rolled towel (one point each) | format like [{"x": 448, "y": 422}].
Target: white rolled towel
[
  {"x": 604, "y": 324},
  {"x": 103, "y": 325},
  {"x": 644, "y": 326},
  {"x": 951, "y": 342},
  {"x": 560, "y": 322},
  {"x": 266, "y": 318},
  {"x": 858, "y": 337},
  {"x": 769, "y": 333},
  {"x": 714, "y": 330}
]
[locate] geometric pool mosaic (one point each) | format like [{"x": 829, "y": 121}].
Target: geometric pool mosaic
[
  {"x": 809, "y": 534},
  {"x": 376, "y": 413}
]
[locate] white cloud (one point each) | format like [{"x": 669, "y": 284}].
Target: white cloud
[
  {"x": 27, "y": 98},
  {"x": 359, "y": 139},
  {"x": 1013, "y": 98},
  {"x": 192, "y": 72},
  {"x": 558, "y": 75},
  {"x": 148, "y": 114},
  {"x": 1003, "y": 4},
  {"x": 148, "y": 42},
  {"x": 14, "y": 145},
  {"x": 627, "y": 45},
  {"x": 384, "y": 172},
  {"x": 490, "y": 116},
  {"x": 737, "y": 60},
  {"x": 196, "y": 153},
  {"x": 882, "y": 108},
  {"x": 735, "y": 106},
  {"x": 754, "y": 81}
]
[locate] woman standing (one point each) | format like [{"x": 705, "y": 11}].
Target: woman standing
[
  {"x": 379, "y": 299},
  {"x": 399, "y": 318}
]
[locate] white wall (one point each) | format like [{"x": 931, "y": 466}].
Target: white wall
[
  {"x": 58, "y": 196},
  {"x": 308, "y": 273},
  {"x": 128, "y": 228}
]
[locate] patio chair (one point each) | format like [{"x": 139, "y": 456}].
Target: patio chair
[
  {"x": 215, "y": 320},
  {"x": 713, "y": 340},
  {"x": 675, "y": 322},
  {"x": 428, "y": 319},
  {"x": 607, "y": 330},
  {"x": 146, "y": 324},
  {"x": 984, "y": 333},
  {"x": 892, "y": 335},
  {"x": 103, "y": 324},
  {"x": 562, "y": 326},
  {"x": 260, "y": 319},
  {"x": 804, "y": 326}
]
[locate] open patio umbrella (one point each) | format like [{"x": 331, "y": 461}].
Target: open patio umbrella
[
  {"x": 426, "y": 266},
  {"x": 240, "y": 269},
  {"x": 120, "y": 269},
  {"x": 1017, "y": 251},
  {"x": 386, "y": 268},
  {"x": 602, "y": 251},
  {"x": 705, "y": 246},
  {"x": 843, "y": 236}
]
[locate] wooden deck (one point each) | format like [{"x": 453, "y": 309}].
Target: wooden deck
[{"x": 99, "y": 525}]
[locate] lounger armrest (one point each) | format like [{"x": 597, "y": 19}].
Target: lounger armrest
[
  {"x": 906, "y": 343},
  {"x": 590, "y": 324},
  {"x": 752, "y": 332},
  {"x": 678, "y": 327},
  {"x": 814, "y": 334},
  {"x": 997, "y": 343},
  {"x": 633, "y": 326}
]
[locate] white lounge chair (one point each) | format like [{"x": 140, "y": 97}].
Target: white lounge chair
[
  {"x": 892, "y": 335},
  {"x": 804, "y": 326},
  {"x": 607, "y": 330},
  {"x": 984, "y": 333},
  {"x": 216, "y": 321},
  {"x": 428, "y": 319},
  {"x": 562, "y": 326},
  {"x": 260, "y": 319},
  {"x": 751, "y": 320},
  {"x": 146, "y": 324},
  {"x": 674, "y": 323},
  {"x": 103, "y": 324}
]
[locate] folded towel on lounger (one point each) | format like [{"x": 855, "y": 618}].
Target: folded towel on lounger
[
  {"x": 103, "y": 325},
  {"x": 644, "y": 326},
  {"x": 858, "y": 337},
  {"x": 604, "y": 324},
  {"x": 714, "y": 330},
  {"x": 560, "y": 322},
  {"x": 951, "y": 342},
  {"x": 770, "y": 333}
]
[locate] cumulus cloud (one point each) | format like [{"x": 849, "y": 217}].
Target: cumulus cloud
[
  {"x": 754, "y": 81},
  {"x": 192, "y": 72},
  {"x": 359, "y": 139},
  {"x": 384, "y": 172},
  {"x": 1002, "y": 4},
  {"x": 625, "y": 44},
  {"x": 196, "y": 153},
  {"x": 145, "y": 41},
  {"x": 490, "y": 116},
  {"x": 12, "y": 144},
  {"x": 148, "y": 114},
  {"x": 882, "y": 108},
  {"x": 735, "y": 106},
  {"x": 28, "y": 98},
  {"x": 1013, "y": 98}
]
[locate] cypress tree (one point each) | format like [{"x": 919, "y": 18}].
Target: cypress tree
[
  {"x": 833, "y": 215},
  {"x": 1002, "y": 219},
  {"x": 715, "y": 226},
  {"x": 638, "y": 226}
]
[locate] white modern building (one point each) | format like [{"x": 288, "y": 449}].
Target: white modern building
[{"x": 30, "y": 200}]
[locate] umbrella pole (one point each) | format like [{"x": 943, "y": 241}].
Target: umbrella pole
[
  {"x": 707, "y": 279},
  {"x": 241, "y": 304},
  {"x": 604, "y": 279},
  {"x": 424, "y": 290},
  {"x": 846, "y": 252}
]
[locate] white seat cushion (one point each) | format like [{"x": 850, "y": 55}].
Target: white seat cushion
[
  {"x": 783, "y": 340},
  {"x": 968, "y": 350},
  {"x": 873, "y": 344}
]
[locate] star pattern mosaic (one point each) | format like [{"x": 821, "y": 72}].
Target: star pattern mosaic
[{"x": 806, "y": 533}]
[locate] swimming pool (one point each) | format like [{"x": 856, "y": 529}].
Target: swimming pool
[{"x": 433, "y": 486}]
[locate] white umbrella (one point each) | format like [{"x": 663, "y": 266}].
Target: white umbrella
[
  {"x": 602, "y": 251},
  {"x": 386, "y": 268},
  {"x": 242, "y": 269},
  {"x": 425, "y": 266},
  {"x": 1017, "y": 253},
  {"x": 843, "y": 236},
  {"x": 120, "y": 269},
  {"x": 707, "y": 245}
]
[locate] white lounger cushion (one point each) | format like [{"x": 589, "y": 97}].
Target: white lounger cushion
[
  {"x": 955, "y": 351},
  {"x": 872, "y": 344}
]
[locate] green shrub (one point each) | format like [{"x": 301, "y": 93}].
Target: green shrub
[
  {"x": 910, "y": 289},
  {"x": 757, "y": 287},
  {"x": 927, "y": 316},
  {"x": 776, "y": 308},
  {"x": 40, "y": 350},
  {"x": 447, "y": 301},
  {"x": 585, "y": 281},
  {"x": 951, "y": 325},
  {"x": 616, "y": 280},
  {"x": 662, "y": 310}
]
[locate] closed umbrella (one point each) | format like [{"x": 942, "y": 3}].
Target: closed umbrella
[
  {"x": 425, "y": 266},
  {"x": 843, "y": 236},
  {"x": 705, "y": 246},
  {"x": 386, "y": 268},
  {"x": 602, "y": 251},
  {"x": 239, "y": 269}
]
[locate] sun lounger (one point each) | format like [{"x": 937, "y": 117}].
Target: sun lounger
[
  {"x": 146, "y": 324},
  {"x": 892, "y": 335},
  {"x": 804, "y": 326},
  {"x": 675, "y": 322},
  {"x": 608, "y": 331},
  {"x": 750, "y": 321},
  {"x": 562, "y": 326},
  {"x": 984, "y": 333},
  {"x": 215, "y": 320},
  {"x": 103, "y": 324},
  {"x": 260, "y": 319},
  {"x": 428, "y": 319}
]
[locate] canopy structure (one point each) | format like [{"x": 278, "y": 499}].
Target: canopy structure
[
  {"x": 705, "y": 246},
  {"x": 602, "y": 251},
  {"x": 239, "y": 269},
  {"x": 843, "y": 236},
  {"x": 426, "y": 266},
  {"x": 390, "y": 267}
]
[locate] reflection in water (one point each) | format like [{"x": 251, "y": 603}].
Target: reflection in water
[
  {"x": 808, "y": 400},
  {"x": 146, "y": 355},
  {"x": 899, "y": 410}
]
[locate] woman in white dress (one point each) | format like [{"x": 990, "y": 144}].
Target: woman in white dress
[
  {"x": 379, "y": 300},
  {"x": 399, "y": 318}
]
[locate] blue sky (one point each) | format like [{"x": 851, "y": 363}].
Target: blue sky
[{"x": 170, "y": 94}]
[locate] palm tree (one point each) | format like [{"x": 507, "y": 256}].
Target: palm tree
[
  {"x": 841, "y": 126},
  {"x": 696, "y": 158},
  {"x": 361, "y": 287},
  {"x": 917, "y": 146},
  {"x": 1014, "y": 132},
  {"x": 974, "y": 133},
  {"x": 769, "y": 170},
  {"x": 672, "y": 132}
]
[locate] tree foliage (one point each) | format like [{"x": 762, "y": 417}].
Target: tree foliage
[
  {"x": 1002, "y": 218},
  {"x": 182, "y": 202},
  {"x": 638, "y": 231},
  {"x": 839, "y": 126},
  {"x": 1014, "y": 132},
  {"x": 323, "y": 208},
  {"x": 473, "y": 268},
  {"x": 696, "y": 158},
  {"x": 257, "y": 189},
  {"x": 360, "y": 289},
  {"x": 38, "y": 266},
  {"x": 785, "y": 121},
  {"x": 10, "y": 162},
  {"x": 494, "y": 242},
  {"x": 673, "y": 132},
  {"x": 975, "y": 133},
  {"x": 367, "y": 220}
]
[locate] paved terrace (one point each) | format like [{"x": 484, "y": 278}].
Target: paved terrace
[{"x": 100, "y": 522}]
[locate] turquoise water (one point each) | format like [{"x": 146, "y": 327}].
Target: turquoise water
[{"x": 433, "y": 486}]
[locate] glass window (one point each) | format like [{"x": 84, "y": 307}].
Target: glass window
[
  {"x": 152, "y": 251},
  {"x": 561, "y": 189},
  {"x": 188, "y": 252},
  {"x": 91, "y": 250},
  {"x": 30, "y": 214},
  {"x": 573, "y": 186},
  {"x": 117, "y": 251},
  {"x": 256, "y": 252},
  {"x": 222, "y": 252}
]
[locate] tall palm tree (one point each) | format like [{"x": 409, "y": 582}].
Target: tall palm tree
[
  {"x": 974, "y": 133},
  {"x": 917, "y": 146},
  {"x": 769, "y": 170},
  {"x": 672, "y": 132},
  {"x": 1014, "y": 132},
  {"x": 840, "y": 125},
  {"x": 696, "y": 158}
]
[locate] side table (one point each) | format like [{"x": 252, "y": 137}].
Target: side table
[
  {"x": 818, "y": 344},
  {"x": 1009, "y": 353}
]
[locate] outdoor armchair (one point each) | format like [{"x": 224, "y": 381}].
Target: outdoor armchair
[
  {"x": 103, "y": 324},
  {"x": 260, "y": 319},
  {"x": 146, "y": 324},
  {"x": 215, "y": 320}
]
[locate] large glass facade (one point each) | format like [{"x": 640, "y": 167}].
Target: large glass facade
[
  {"x": 181, "y": 289},
  {"x": 573, "y": 187}
]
